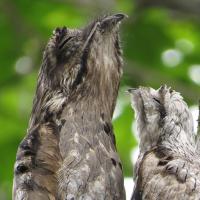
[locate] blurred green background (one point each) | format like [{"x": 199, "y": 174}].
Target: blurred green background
[{"x": 161, "y": 43}]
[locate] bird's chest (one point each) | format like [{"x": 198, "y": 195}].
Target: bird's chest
[{"x": 82, "y": 131}]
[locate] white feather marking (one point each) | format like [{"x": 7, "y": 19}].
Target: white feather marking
[
  {"x": 56, "y": 102},
  {"x": 76, "y": 138}
]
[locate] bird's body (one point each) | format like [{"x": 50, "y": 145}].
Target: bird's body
[
  {"x": 69, "y": 152},
  {"x": 168, "y": 166}
]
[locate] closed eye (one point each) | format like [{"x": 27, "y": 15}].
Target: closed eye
[
  {"x": 156, "y": 100},
  {"x": 64, "y": 42}
]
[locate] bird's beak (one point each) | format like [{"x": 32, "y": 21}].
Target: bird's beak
[
  {"x": 131, "y": 90},
  {"x": 113, "y": 19},
  {"x": 106, "y": 23}
]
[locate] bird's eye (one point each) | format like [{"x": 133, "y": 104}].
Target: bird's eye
[
  {"x": 156, "y": 100},
  {"x": 64, "y": 42}
]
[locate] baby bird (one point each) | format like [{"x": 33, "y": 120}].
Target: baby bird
[{"x": 168, "y": 166}]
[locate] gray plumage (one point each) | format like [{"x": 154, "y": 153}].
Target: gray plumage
[
  {"x": 168, "y": 166},
  {"x": 69, "y": 152}
]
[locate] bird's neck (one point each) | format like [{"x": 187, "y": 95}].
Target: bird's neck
[
  {"x": 172, "y": 137},
  {"x": 148, "y": 140}
]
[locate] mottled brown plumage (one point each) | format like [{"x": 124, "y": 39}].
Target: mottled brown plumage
[
  {"x": 168, "y": 166},
  {"x": 69, "y": 151}
]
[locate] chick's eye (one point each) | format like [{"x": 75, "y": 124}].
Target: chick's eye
[{"x": 156, "y": 100}]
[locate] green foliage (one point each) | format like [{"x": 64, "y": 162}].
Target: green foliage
[{"x": 25, "y": 26}]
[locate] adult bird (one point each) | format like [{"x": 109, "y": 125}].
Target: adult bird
[
  {"x": 168, "y": 166},
  {"x": 69, "y": 151}
]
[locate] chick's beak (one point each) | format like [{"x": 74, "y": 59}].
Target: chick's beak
[{"x": 131, "y": 90}]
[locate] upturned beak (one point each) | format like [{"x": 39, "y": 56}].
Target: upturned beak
[
  {"x": 106, "y": 23},
  {"x": 131, "y": 90},
  {"x": 113, "y": 19}
]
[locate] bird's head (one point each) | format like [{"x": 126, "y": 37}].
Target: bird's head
[
  {"x": 75, "y": 55},
  {"x": 80, "y": 66},
  {"x": 159, "y": 112}
]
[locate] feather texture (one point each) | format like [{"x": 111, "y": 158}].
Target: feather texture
[
  {"x": 168, "y": 164},
  {"x": 69, "y": 152}
]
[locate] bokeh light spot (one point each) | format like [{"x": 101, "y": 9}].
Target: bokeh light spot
[
  {"x": 171, "y": 57},
  {"x": 23, "y": 65},
  {"x": 185, "y": 45},
  {"x": 194, "y": 73}
]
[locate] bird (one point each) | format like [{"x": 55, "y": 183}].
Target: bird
[
  {"x": 168, "y": 165},
  {"x": 69, "y": 151}
]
